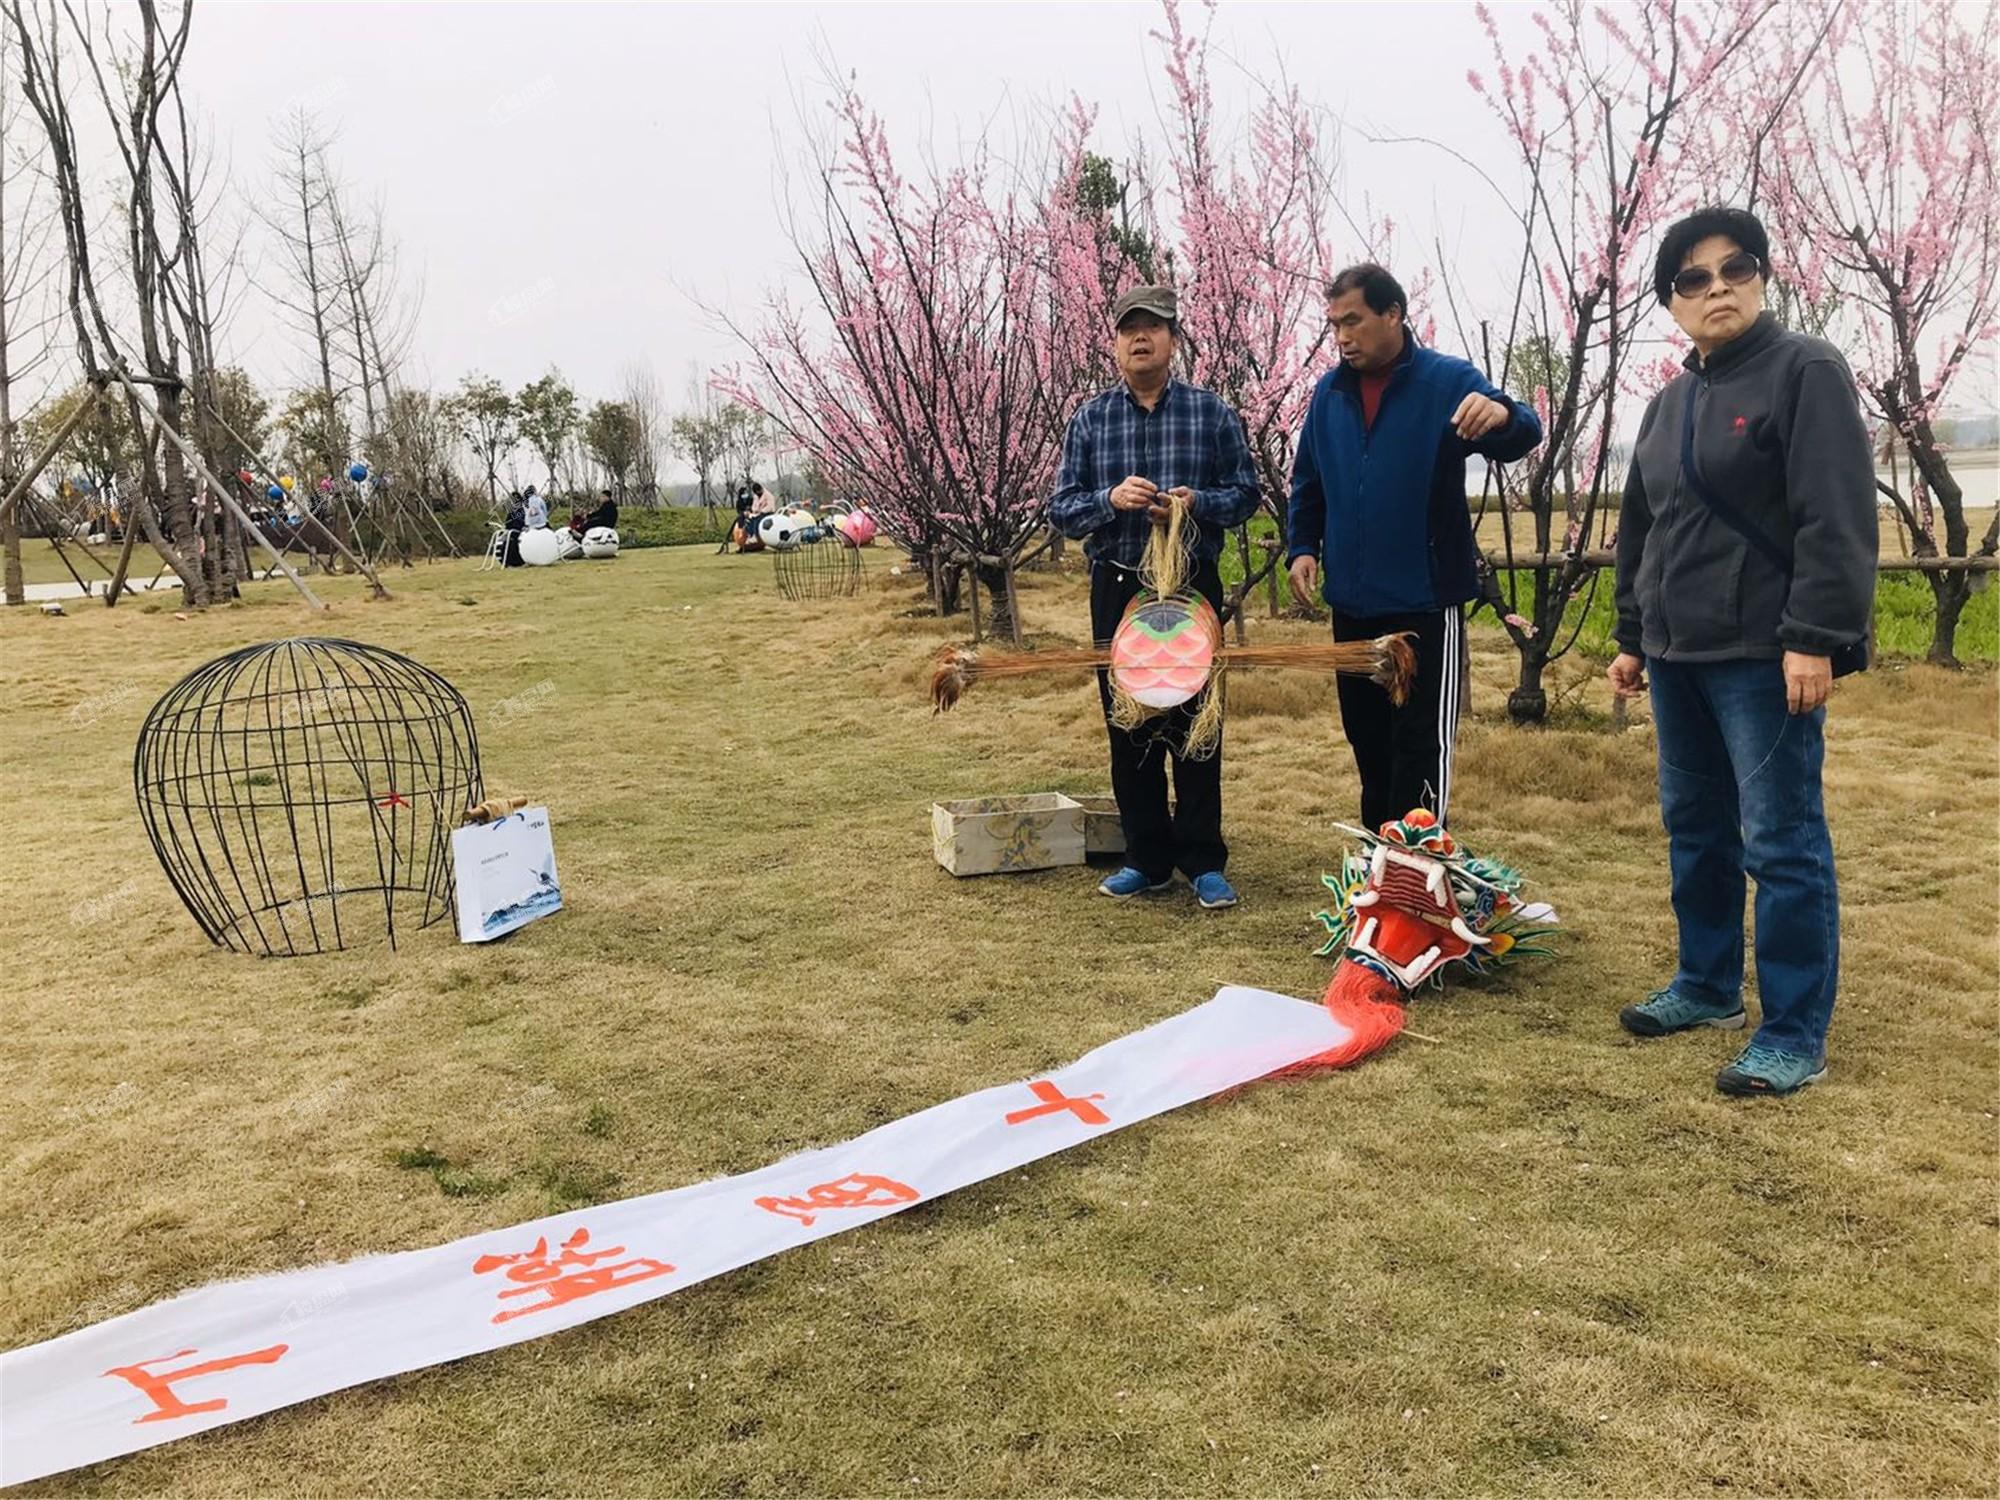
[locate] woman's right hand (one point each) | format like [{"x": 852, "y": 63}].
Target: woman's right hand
[{"x": 1627, "y": 675}]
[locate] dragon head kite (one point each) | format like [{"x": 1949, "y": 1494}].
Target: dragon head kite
[{"x": 1407, "y": 904}]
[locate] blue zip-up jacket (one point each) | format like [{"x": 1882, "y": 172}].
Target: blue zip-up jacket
[{"x": 1383, "y": 507}]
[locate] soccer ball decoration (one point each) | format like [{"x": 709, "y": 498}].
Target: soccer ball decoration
[{"x": 780, "y": 531}]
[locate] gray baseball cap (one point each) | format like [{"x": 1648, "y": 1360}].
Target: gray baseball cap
[{"x": 1160, "y": 301}]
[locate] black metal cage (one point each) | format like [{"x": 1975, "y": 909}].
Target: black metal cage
[
  {"x": 826, "y": 569},
  {"x": 301, "y": 794}
]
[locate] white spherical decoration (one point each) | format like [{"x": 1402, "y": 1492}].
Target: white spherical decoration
[{"x": 540, "y": 547}]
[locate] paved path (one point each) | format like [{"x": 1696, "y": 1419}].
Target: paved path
[{"x": 67, "y": 592}]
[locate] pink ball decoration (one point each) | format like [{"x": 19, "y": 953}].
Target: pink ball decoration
[{"x": 860, "y": 528}]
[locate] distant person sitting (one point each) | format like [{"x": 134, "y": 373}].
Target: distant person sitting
[
  {"x": 740, "y": 528},
  {"x": 510, "y": 534},
  {"x": 735, "y": 531},
  {"x": 761, "y": 504},
  {"x": 606, "y": 514},
  {"x": 538, "y": 510}
]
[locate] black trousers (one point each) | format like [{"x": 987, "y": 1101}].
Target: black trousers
[
  {"x": 1404, "y": 754},
  {"x": 1190, "y": 839}
]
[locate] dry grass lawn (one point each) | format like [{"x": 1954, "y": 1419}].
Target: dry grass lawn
[{"x": 1534, "y": 1258}]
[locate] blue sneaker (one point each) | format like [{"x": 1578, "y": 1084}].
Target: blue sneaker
[
  {"x": 1213, "y": 892},
  {"x": 1767, "y": 1070},
  {"x": 1131, "y": 882},
  {"x": 1663, "y": 1012}
]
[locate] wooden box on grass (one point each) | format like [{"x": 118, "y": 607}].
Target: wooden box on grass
[
  {"x": 1003, "y": 835},
  {"x": 1103, "y": 832}
]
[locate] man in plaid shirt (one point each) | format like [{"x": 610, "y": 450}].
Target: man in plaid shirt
[{"x": 1131, "y": 452}]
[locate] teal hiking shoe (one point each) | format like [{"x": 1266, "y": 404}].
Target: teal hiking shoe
[
  {"x": 1767, "y": 1070},
  {"x": 1663, "y": 1013}
]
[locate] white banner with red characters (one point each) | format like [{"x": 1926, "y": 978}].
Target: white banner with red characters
[{"x": 233, "y": 1350}]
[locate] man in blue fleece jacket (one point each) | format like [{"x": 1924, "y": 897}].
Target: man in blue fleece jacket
[{"x": 1379, "y": 526}]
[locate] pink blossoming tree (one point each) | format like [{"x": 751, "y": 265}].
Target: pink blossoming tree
[
  {"x": 1885, "y": 211},
  {"x": 956, "y": 322},
  {"x": 1603, "y": 113},
  {"x": 933, "y": 369},
  {"x": 1246, "y": 228}
]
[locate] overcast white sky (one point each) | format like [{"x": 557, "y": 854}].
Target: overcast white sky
[
  {"x": 571, "y": 178},
  {"x": 571, "y": 182}
]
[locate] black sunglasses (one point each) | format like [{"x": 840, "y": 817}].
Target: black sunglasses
[{"x": 1738, "y": 269}]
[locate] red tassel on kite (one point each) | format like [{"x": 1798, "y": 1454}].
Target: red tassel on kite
[{"x": 1371, "y": 1009}]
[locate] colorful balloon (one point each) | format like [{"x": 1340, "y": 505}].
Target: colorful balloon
[
  {"x": 275, "y": 492},
  {"x": 860, "y": 528},
  {"x": 285, "y": 482},
  {"x": 246, "y": 476},
  {"x": 357, "y": 472}
]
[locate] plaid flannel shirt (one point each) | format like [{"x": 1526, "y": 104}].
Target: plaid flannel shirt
[{"x": 1190, "y": 437}]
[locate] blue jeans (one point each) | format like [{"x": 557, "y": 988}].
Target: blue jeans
[{"x": 1740, "y": 792}]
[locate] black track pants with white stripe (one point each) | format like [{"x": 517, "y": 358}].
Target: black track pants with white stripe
[{"x": 1404, "y": 754}]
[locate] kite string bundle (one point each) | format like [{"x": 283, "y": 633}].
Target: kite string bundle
[{"x": 1167, "y": 563}]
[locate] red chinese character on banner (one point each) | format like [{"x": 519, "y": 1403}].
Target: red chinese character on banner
[
  {"x": 1054, "y": 1102},
  {"x": 158, "y": 1384},
  {"x": 537, "y": 1273},
  {"x": 860, "y": 1190}
]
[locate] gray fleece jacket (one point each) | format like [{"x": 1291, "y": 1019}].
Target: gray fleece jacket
[{"x": 1778, "y": 435}]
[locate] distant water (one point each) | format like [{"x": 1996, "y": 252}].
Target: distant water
[{"x": 1977, "y": 471}]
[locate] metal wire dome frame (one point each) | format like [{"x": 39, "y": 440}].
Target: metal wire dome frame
[
  {"x": 294, "y": 787},
  {"x": 826, "y": 569}
]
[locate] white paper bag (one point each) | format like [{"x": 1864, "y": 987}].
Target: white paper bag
[{"x": 506, "y": 874}]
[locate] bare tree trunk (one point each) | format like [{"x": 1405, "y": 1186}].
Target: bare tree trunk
[
  {"x": 998, "y": 581},
  {"x": 18, "y": 279},
  {"x": 10, "y": 528}
]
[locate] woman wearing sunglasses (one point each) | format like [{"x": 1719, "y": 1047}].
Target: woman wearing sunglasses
[{"x": 1746, "y": 575}]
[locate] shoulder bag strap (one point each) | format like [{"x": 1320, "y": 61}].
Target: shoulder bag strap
[{"x": 1779, "y": 557}]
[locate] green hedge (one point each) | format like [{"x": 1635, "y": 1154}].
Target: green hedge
[
  {"x": 1904, "y": 610},
  {"x": 672, "y": 526},
  {"x": 1231, "y": 562}
]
